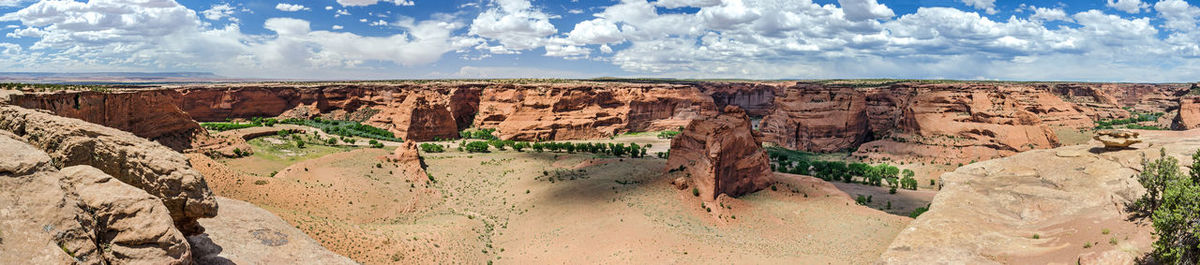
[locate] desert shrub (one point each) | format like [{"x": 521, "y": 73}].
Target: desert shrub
[
  {"x": 432, "y": 148},
  {"x": 477, "y": 147},
  {"x": 918, "y": 211},
  {"x": 332, "y": 141},
  {"x": 260, "y": 182},
  {"x": 696, "y": 192},
  {"x": 908, "y": 183},
  {"x": 1175, "y": 206},
  {"x": 668, "y": 134},
  {"x": 481, "y": 134}
]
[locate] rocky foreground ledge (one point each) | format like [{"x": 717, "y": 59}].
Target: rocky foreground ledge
[
  {"x": 1057, "y": 206},
  {"x": 73, "y": 192}
]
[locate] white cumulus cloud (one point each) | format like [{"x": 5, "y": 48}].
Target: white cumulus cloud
[{"x": 290, "y": 7}]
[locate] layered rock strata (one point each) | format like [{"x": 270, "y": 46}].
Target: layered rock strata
[{"x": 721, "y": 155}]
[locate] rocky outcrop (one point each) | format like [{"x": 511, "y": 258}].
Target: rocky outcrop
[
  {"x": 1189, "y": 113},
  {"x": 1061, "y": 206},
  {"x": 153, "y": 114},
  {"x": 1116, "y": 139},
  {"x": 421, "y": 116},
  {"x": 721, "y": 155},
  {"x": 245, "y": 234},
  {"x": 587, "y": 110},
  {"x": 408, "y": 161},
  {"x": 143, "y": 164},
  {"x": 78, "y": 215}
]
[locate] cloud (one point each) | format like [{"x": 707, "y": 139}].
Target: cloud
[
  {"x": 865, "y": 9},
  {"x": 217, "y": 12},
  {"x": 372, "y": 2},
  {"x": 988, "y": 6},
  {"x": 290, "y": 7},
  {"x": 1128, "y": 6},
  {"x": 161, "y": 35},
  {"x": 4, "y": 3},
  {"x": 1048, "y": 14},
  {"x": 337, "y": 27},
  {"x": 515, "y": 24}
]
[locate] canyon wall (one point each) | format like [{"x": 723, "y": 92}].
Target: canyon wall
[
  {"x": 949, "y": 122},
  {"x": 934, "y": 121},
  {"x": 152, "y": 114},
  {"x": 588, "y": 110}
]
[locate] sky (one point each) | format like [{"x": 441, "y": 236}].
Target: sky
[{"x": 1077, "y": 40}]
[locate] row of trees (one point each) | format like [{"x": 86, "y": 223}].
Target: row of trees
[
  {"x": 796, "y": 162},
  {"x": 614, "y": 149},
  {"x": 481, "y": 134}
]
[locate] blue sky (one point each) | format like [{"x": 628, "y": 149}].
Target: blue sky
[{"x": 1123, "y": 40}]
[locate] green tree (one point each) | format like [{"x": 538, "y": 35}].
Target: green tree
[
  {"x": 1177, "y": 216},
  {"x": 477, "y": 147},
  {"x": 1155, "y": 176}
]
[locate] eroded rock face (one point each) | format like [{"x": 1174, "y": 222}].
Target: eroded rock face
[
  {"x": 755, "y": 98},
  {"x": 78, "y": 215},
  {"x": 146, "y": 165},
  {"x": 408, "y": 158},
  {"x": 817, "y": 118},
  {"x": 721, "y": 155},
  {"x": 586, "y": 110},
  {"x": 421, "y": 116},
  {"x": 1189, "y": 113},
  {"x": 151, "y": 114},
  {"x": 1039, "y": 207}
]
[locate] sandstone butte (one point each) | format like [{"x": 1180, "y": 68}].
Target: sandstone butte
[
  {"x": 721, "y": 155},
  {"x": 65, "y": 159}
]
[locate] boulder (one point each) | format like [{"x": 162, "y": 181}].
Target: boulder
[
  {"x": 246, "y": 234},
  {"x": 1117, "y": 139},
  {"x": 721, "y": 155},
  {"x": 78, "y": 215},
  {"x": 143, "y": 164}
]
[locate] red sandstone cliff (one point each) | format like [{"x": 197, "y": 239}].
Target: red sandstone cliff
[
  {"x": 721, "y": 155},
  {"x": 587, "y": 110},
  {"x": 152, "y": 114}
]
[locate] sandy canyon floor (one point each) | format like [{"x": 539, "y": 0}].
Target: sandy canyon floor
[{"x": 510, "y": 207}]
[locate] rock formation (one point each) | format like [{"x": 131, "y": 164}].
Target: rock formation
[
  {"x": 1038, "y": 207},
  {"x": 143, "y": 164},
  {"x": 721, "y": 155},
  {"x": 78, "y": 215},
  {"x": 818, "y": 119},
  {"x": 409, "y": 162},
  {"x": 153, "y": 114},
  {"x": 1189, "y": 113},
  {"x": 587, "y": 110},
  {"x": 1116, "y": 139},
  {"x": 245, "y": 234}
]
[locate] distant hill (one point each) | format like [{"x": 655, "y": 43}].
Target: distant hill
[{"x": 111, "y": 77}]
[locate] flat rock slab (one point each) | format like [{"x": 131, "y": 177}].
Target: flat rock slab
[{"x": 246, "y": 234}]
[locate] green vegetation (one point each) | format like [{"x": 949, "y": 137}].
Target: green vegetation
[
  {"x": 920, "y": 210},
  {"x": 1132, "y": 122},
  {"x": 52, "y": 87},
  {"x": 481, "y": 134},
  {"x": 228, "y": 125},
  {"x": 432, "y": 148},
  {"x": 476, "y": 147},
  {"x": 1173, "y": 202},
  {"x": 619, "y": 149},
  {"x": 668, "y": 134},
  {"x": 346, "y": 129},
  {"x": 803, "y": 163}
]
